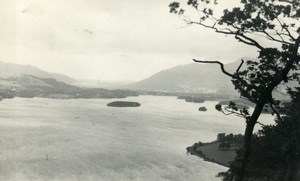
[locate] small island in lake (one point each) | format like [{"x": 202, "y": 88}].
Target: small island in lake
[
  {"x": 202, "y": 108},
  {"x": 123, "y": 104}
]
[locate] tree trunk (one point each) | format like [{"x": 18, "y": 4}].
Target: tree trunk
[{"x": 247, "y": 139}]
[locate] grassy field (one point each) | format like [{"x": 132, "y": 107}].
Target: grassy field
[{"x": 210, "y": 152}]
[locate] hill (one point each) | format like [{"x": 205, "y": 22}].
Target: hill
[
  {"x": 194, "y": 77},
  {"x": 8, "y": 70},
  {"x": 32, "y": 86}
]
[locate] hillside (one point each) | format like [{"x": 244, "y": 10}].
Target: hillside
[
  {"x": 194, "y": 77},
  {"x": 32, "y": 86},
  {"x": 8, "y": 70}
]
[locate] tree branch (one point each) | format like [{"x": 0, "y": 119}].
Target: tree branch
[
  {"x": 215, "y": 62},
  {"x": 234, "y": 76},
  {"x": 229, "y": 32},
  {"x": 286, "y": 29},
  {"x": 282, "y": 39},
  {"x": 270, "y": 37},
  {"x": 241, "y": 37},
  {"x": 238, "y": 69},
  {"x": 231, "y": 111}
]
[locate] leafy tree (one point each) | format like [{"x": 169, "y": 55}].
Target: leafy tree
[{"x": 254, "y": 22}]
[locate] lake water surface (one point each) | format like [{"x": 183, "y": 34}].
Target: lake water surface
[{"x": 83, "y": 139}]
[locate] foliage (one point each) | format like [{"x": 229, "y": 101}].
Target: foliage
[{"x": 231, "y": 138}]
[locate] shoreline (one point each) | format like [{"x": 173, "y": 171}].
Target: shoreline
[
  {"x": 209, "y": 152},
  {"x": 192, "y": 151}
]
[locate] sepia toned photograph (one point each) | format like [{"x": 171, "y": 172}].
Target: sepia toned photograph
[{"x": 150, "y": 90}]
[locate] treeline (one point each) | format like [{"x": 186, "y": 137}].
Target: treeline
[
  {"x": 236, "y": 140},
  {"x": 227, "y": 141}
]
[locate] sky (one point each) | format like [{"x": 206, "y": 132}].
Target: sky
[{"x": 116, "y": 40}]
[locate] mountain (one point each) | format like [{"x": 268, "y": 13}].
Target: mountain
[
  {"x": 31, "y": 86},
  {"x": 194, "y": 77},
  {"x": 29, "y": 81},
  {"x": 8, "y": 70}
]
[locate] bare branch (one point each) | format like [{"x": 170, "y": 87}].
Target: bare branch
[
  {"x": 238, "y": 35},
  {"x": 227, "y": 114},
  {"x": 280, "y": 36},
  {"x": 238, "y": 69},
  {"x": 272, "y": 38},
  {"x": 228, "y": 32},
  {"x": 263, "y": 125},
  {"x": 248, "y": 41},
  {"x": 215, "y": 62},
  {"x": 234, "y": 76},
  {"x": 286, "y": 29},
  {"x": 230, "y": 111}
]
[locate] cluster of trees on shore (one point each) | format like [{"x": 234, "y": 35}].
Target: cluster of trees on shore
[
  {"x": 273, "y": 28},
  {"x": 226, "y": 141}
]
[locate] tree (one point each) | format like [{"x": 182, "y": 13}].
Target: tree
[
  {"x": 221, "y": 137},
  {"x": 277, "y": 21},
  {"x": 275, "y": 148}
]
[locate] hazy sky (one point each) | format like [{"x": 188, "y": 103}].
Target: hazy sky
[{"x": 123, "y": 40}]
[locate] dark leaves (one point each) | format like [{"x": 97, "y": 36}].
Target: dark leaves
[
  {"x": 193, "y": 3},
  {"x": 218, "y": 107},
  {"x": 174, "y": 6}
]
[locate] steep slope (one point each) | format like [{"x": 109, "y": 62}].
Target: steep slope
[
  {"x": 195, "y": 77},
  {"x": 15, "y": 70}
]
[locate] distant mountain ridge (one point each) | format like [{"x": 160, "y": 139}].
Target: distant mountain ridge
[
  {"x": 29, "y": 81},
  {"x": 31, "y": 86},
  {"x": 10, "y": 70},
  {"x": 194, "y": 77}
]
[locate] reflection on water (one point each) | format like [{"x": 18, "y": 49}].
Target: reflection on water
[{"x": 47, "y": 139}]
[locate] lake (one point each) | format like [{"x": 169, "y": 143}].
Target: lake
[{"x": 83, "y": 139}]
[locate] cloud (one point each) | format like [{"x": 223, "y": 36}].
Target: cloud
[{"x": 126, "y": 39}]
